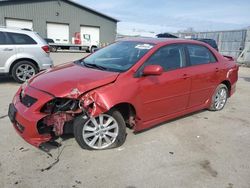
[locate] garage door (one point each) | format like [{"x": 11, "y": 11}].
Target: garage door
[
  {"x": 58, "y": 32},
  {"x": 93, "y": 32},
  {"x": 19, "y": 23}
]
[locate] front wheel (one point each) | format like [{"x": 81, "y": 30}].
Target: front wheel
[
  {"x": 105, "y": 131},
  {"x": 93, "y": 49},
  {"x": 219, "y": 98}
]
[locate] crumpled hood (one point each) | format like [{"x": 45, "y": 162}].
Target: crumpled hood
[{"x": 61, "y": 80}]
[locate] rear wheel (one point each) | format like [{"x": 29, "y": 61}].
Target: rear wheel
[
  {"x": 105, "y": 131},
  {"x": 219, "y": 98},
  {"x": 23, "y": 70}
]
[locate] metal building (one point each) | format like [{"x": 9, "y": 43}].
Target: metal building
[{"x": 58, "y": 19}]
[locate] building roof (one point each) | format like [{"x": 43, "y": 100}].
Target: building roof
[{"x": 6, "y": 2}]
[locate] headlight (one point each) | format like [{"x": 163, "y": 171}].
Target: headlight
[{"x": 60, "y": 105}]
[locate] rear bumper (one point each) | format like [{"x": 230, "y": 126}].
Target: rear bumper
[
  {"x": 45, "y": 63},
  {"x": 26, "y": 118}
]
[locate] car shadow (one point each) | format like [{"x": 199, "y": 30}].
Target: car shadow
[
  {"x": 55, "y": 143},
  {"x": 7, "y": 79},
  {"x": 49, "y": 146},
  {"x": 170, "y": 121}
]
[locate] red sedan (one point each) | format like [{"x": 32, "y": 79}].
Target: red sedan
[{"x": 136, "y": 83}]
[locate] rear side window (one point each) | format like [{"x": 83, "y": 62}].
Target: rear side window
[
  {"x": 199, "y": 55},
  {"x": 169, "y": 57},
  {"x": 21, "y": 39}
]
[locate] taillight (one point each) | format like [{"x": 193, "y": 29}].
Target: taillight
[{"x": 46, "y": 49}]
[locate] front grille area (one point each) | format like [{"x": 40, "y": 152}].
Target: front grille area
[
  {"x": 19, "y": 127},
  {"x": 28, "y": 100}
]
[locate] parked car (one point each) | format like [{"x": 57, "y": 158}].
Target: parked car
[
  {"x": 23, "y": 53},
  {"x": 165, "y": 35},
  {"x": 210, "y": 42},
  {"x": 137, "y": 83}
]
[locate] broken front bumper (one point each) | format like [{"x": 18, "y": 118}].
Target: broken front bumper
[{"x": 25, "y": 119}]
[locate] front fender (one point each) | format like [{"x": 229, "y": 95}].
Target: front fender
[
  {"x": 9, "y": 63},
  {"x": 103, "y": 99}
]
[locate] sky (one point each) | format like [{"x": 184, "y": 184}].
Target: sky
[{"x": 152, "y": 17}]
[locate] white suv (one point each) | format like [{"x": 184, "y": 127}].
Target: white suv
[{"x": 23, "y": 53}]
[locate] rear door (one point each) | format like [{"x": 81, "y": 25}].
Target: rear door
[
  {"x": 204, "y": 72},
  {"x": 7, "y": 51},
  {"x": 168, "y": 93}
]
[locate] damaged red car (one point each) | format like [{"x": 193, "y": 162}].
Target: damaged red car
[{"x": 136, "y": 83}]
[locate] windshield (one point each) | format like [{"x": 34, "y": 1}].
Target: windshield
[{"x": 117, "y": 57}]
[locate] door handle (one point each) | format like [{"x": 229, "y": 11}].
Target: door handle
[
  {"x": 216, "y": 69},
  {"x": 7, "y": 49},
  {"x": 185, "y": 76}
]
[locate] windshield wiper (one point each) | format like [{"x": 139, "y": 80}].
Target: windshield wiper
[{"x": 90, "y": 65}]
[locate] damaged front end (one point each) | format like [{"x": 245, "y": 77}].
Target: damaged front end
[
  {"x": 61, "y": 113},
  {"x": 40, "y": 118}
]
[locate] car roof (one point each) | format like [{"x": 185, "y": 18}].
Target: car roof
[
  {"x": 16, "y": 30},
  {"x": 160, "y": 40}
]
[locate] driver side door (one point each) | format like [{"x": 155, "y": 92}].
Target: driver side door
[
  {"x": 7, "y": 50},
  {"x": 166, "y": 94}
]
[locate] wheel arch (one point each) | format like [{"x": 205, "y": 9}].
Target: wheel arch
[
  {"x": 127, "y": 111},
  {"x": 22, "y": 59},
  {"x": 228, "y": 84}
]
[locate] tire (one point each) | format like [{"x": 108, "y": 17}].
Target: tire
[
  {"x": 93, "y": 49},
  {"x": 87, "y": 50},
  {"x": 82, "y": 127},
  {"x": 23, "y": 70},
  {"x": 215, "y": 106}
]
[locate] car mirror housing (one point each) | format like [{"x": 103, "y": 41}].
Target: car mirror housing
[{"x": 152, "y": 70}]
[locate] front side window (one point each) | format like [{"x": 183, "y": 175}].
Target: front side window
[
  {"x": 2, "y": 38},
  {"x": 169, "y": 57},
  {"x": 21, "y": 39},
  {"x": 117, "y": 57},
  {"x": 200, "y": 55}
]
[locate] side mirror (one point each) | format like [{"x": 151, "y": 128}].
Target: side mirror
[{"x": 152, "y": 70}]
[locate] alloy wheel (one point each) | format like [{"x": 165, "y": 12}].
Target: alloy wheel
[
  {"x": 220, "y": 98},
  {"x": 100, "y": 132},
  {"x": 25, "y": 72}
]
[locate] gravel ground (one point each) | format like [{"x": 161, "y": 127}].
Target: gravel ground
[{"x": 204, "y": 149}]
